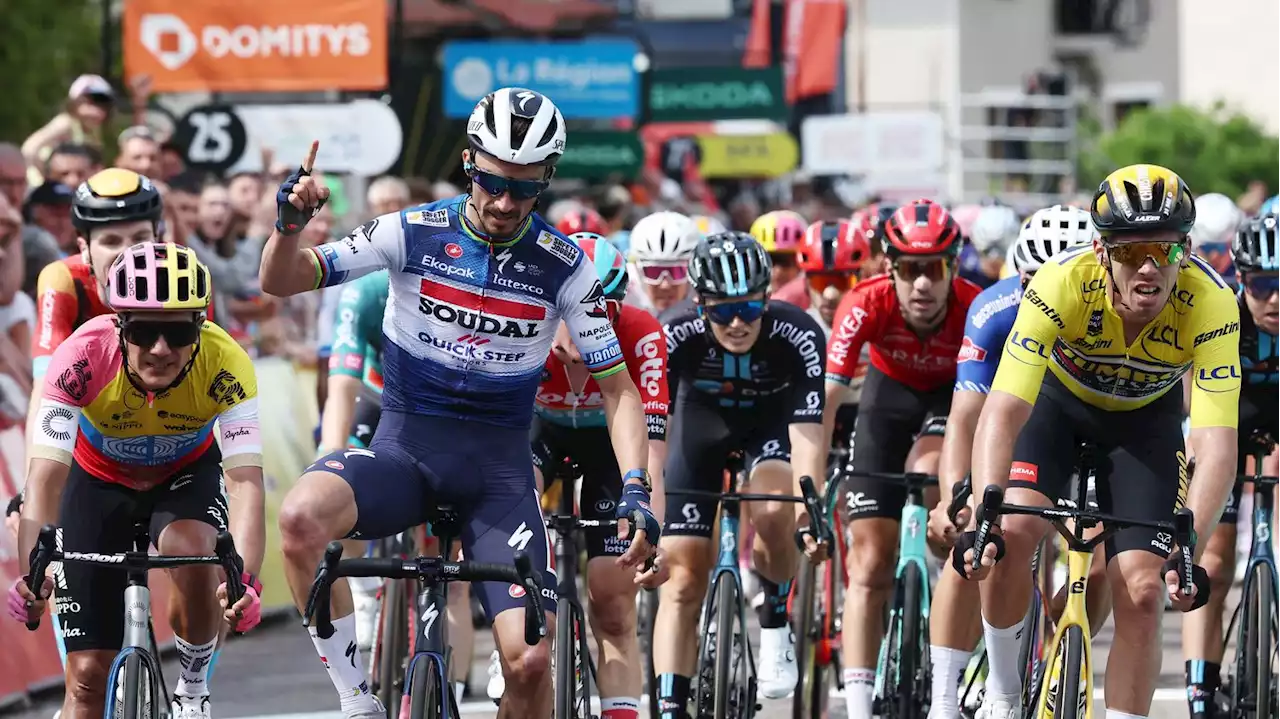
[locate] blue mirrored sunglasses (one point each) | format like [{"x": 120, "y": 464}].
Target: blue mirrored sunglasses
[
  {"x": 723, "y": 314},
  {"x": 1262, "y": 286},
  {"x": 497, "y": 185}
]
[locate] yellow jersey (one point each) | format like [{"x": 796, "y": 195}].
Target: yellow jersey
[{"x": 1066, "y": 321}]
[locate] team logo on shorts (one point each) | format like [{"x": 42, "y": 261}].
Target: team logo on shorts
[
  {"x": 516, "y": 591},
  {"x": 334, "y": 464}
]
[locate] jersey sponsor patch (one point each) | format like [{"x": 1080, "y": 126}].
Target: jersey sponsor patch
[
  {"x": 226, "y": 389},
  {"x": 428, "y": 218},
  {"x": 74, "y": 380},
  {"x": 595, "y": 300},
  {"x": 971, "y": 352},
  {"x": 565, "y": 250}
]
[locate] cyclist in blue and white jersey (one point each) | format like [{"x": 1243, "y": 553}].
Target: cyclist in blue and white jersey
[
  {"x": 478, "y": 286},
  {"x": 954, "y": 626}
]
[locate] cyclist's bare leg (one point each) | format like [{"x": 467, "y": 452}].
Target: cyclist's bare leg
[
  {"x": 611, "y": 610},
  {"x": 675, "y": 643},
  {"x": 955, "y": 624},
  {"x": 194, "y": 611},
  {"x": 526, "y": 669},
  {"x": 1139, "y": 593},
  {"x": 773, "y": 550},
  {"x": 872, "y": 556},
  {"x": 87, "y": 675}
]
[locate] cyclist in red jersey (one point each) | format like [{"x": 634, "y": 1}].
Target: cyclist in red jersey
[
  {"x": 913, "y": 319},
  {"x": 585, "y": 220},
  {"x": 569, "y": 421}
]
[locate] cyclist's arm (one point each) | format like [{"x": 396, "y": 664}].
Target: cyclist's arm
[
  {"x": 288, "y": 270},
  {"x": 1215, "y": 410},
  {"x": 1022, "y": 366},
  {"x": 850, "y": 329},
  {"x": 242, "y": 466},
  {"x": 52, "y": 446},
  {"x": 976, "y": 366},
  {"x": 646, "y": 347},
  {"x": 346, "y": 367},
  {"x": 339, "y": 412},
  {"x": 56, "y": 310},
  {"x": 807, "y": 429}
]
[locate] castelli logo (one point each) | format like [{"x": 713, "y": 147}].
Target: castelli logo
[
  {"x": 516, "y": 591},
  {"x": 453, "y": 250}
]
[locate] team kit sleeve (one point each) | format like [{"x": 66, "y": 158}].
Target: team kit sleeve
[
  {"x": 809, "y": 342},
  {"x": 1026, "y": 352},
  {"x": 1215, "y": 360},
  {"x": 238, "y": 423},
  {"x": 78, "y": 371},
  {"x": 581, "y": 306},
  {"x": 850, "y": 331},
  {"x": 646, "y": 348},
  {"x": 979, "y": 355},
  {"x": 378, "y": 244},
  {"x": 56, "y": 310},
  {"x": 349, "y": 347}
]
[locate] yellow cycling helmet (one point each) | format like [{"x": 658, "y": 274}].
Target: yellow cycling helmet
[
  {"x": 115, "y": 195},
  {"x": 1143, "y": 199},
  {"x": 779, "y": 231},
  {"x": 158, "y": 276}
]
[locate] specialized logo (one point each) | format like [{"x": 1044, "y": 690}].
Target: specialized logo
[
  {"x": 503, "y": 258},
  {"x": 502, "y": 317},
  {"x": 563, "y": 249},
  {"x": 970, "y": 352},
  {"x": 429, "y": 618}
]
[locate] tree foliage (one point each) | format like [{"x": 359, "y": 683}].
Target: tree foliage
[
  {"x": 1214, "y": 150},
  {"x": 47, "y": 44}
]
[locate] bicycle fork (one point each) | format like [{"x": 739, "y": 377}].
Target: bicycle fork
[{"x": 1073, "y": 615}]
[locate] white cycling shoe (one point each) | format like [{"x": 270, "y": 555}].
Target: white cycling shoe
[
  {"x": 497, "y": 684},
  {"x": 190, "y": 707},
  {"x": 778, "y": 673},
  {"x": 996, "y": 706}
]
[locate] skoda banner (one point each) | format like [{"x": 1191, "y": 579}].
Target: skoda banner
[
  {"x": 716, "y": 93},
  {"x": 596, "y": 155}
]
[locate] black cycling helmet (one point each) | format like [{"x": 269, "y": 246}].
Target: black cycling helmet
[
  {"x": 729, "y": 264},
  {"x": 1142, "y": 199},
  {"x": 115, "y": 195},
  {"x": 1254, "y": 246}
]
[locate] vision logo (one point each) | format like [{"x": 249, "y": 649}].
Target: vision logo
[{"x": 169, "y": 39}]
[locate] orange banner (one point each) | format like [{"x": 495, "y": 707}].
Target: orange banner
[{"x": 255, "y": 46}]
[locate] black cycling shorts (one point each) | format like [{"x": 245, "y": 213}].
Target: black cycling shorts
[
  {"x": 1141, "y": 470},
  {"x": 1257, "y": 413},
  {"x": 99, "y": 516},
  {"x": 891, "y": 417},
  {"x": 699, "y": 449},
  {"x": 592, "y": 454},
  {"x": 364, "y": 422}
]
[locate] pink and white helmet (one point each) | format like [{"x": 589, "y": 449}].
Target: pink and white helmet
[{"x": 158, "y": 276}]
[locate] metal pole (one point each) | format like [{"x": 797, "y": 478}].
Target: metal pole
[
  {"x": 397, "y": 45},
  {"x": 106, "y": 39}
]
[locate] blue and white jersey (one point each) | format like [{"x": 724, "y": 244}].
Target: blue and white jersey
[
  {"x": 469, "y": 323},
  {"x": 986, "y": 328}
]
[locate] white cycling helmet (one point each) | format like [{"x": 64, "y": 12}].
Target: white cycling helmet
[
  {"x": 1217, "y": 219},
  {"x": 664, "y": 237},
  {"x": 490, "y": 128},
  {"x": 994, "y": 229},
  {"x": 1048, "y": 232}
]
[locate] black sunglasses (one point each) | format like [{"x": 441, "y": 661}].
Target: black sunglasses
[
  {"x": 145, "y": 333},
  {"x": 497, "y": 185}
]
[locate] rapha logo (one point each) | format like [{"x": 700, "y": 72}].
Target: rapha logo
[{"x": 168, "y": 38}]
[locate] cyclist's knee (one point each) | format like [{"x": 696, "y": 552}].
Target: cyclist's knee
[
  {"x": 774, "y": 522},
  {"x": 87, "y": 674},
  {"x": 318, "y": 509},
  {"x": 527, "y": 668},
  {"x": 1141, "y": 596},
  {"x": 187, "y": 537},
  {"x": 688, "y": 569},
  {"x": 872, "y": 554},
  {"x": 1022, "y": 534},
  {"x": 613, "y": 612}
]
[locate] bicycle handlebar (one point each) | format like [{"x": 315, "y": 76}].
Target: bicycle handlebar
[
  {"x": 427, "y": 569},
  {"x": 910, "y": 480},
  {"x": 46, "y": 552},
  {"x": 808, "y": 496},
  {"x": 960, "y": 493}
]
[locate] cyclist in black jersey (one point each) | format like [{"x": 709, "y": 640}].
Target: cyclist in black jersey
[
  {"x": 745, "y": 375},
  {"x": 1258, "y": 269}
]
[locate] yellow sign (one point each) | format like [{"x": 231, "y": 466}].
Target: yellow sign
[{"x": 734, "y": 156}]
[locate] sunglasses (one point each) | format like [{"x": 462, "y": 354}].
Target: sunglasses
[
  {"x": 722, "y": 314},
  {"x": 655, "y": 274},
  {"x": 1135, "y": 254},
  {"x": 783, "y": 260},
  {"x": 497, "y": 185},
  {"x": 820, "y": 281},
  {"x": 909, "y": 270},
  {"x": 1261, "y": 287},
  {"x": 145, "y": 334}
]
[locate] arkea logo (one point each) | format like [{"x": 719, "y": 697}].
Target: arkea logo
[{"x": 169, "y": 39}]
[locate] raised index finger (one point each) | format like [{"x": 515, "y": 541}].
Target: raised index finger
[{"x": 310, "y": 162}]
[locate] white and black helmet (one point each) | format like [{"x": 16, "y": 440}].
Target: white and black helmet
[
  {"x": 1048, "y": 232},
  {"x": 1217, "y": 220},
  {"x": 538, "y": 141},
  {"x": 664, "y": 237},
  {"x": 994, "y": 229}
]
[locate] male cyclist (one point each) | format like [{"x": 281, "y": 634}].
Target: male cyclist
[
  {"x": 1217, "y": 220},
  {"x": 478, "y": 285},
  {"x": 582, "y": 220},
  {"x": 1253, "y": 252},
  {"x": 993, "y": 230},
  {"x": 954, "y": 626},
  {"x": 913, "y": 319},
  {"x": 830, "y": 256},
  {"x": 125, "y": 434},
  {"x": 780, "y": 233},
  {"x": 661, "y": 245},
  {"x": 1120, "y": 322},
  {"x": 746, "y": 376},
  {"x": 569, "y": 422}
]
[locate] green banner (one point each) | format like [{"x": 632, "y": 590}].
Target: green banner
[
  {"x": 596, "y": 154},
  {"x": 695, "y": 94}
]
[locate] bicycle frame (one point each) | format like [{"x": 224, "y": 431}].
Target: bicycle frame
[
  {"x": 727, "y": 563},
  {"x": 1073, "y": 614},
  {"x": 432, "y": 615},
  {"x": 1261, "y": 551},
  {"x": 912, "y": 547}
]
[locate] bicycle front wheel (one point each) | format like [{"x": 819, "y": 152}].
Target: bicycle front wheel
[
  {"x": 808, "y": 700},
  {"x": 426, "y": 689},
  {"x": 911, "y": 659},
  {"x": 731, "y": 657},
  {"x": 1064, "y": 700},
  {"x": 393, "y": 645},
  {"x": 1253, "y": 685},
  {"x": 646, "y": 615},
  {"x": 566, "y": 661}
]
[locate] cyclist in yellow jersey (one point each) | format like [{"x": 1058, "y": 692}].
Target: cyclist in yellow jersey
[
  {"x": 1119, "y": 324},
  {"x": 125, "y": 432}
]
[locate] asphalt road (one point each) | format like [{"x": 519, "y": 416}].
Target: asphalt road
[{"x": 274, "y": 673}]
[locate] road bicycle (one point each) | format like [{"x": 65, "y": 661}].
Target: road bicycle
[
  {"x": 135, "y": 682},
  {"x": 1251, "y": 684},
  {"x": 1065, "y": 690},
  {"x": 396, "y": 621},
  {"x": 427, "y": 670},
  {"x": 726, "y": 674}
]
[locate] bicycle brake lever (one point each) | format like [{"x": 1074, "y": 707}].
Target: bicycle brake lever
[
  {"x": 988, "y": 513},
  {"x": 1185, "y": 535},
  {"x": 535, "y": 624},
  {"x": 41, "y": 554},
  {"x": 960, "y": 493},
  {"x": 818, "y": 524}
]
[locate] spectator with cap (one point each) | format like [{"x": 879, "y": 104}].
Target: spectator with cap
[
  {"x": 139, "y": 150},
  {"x": 70, "y": 164},
  {"x": 387, "y": 194},
  {"x": 49, "y": 208},
  {"x": 38, "y": 247},
  {"x": 89, "y": 103}
]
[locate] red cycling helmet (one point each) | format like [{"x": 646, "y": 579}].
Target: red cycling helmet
[
  {"x": 832, "y": 247},
  {"x": 868, "y": 223},
  {"x": 922, "y": 228},
  {"x": 584, "y": 220}
]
